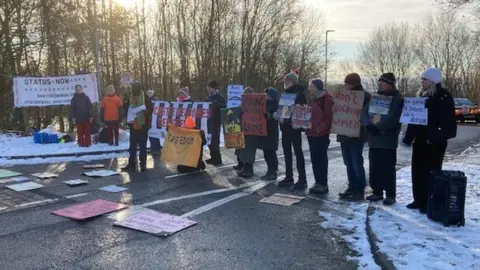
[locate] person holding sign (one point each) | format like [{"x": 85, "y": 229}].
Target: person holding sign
[
  {"x": 215, "y": 121},
  {"x": 269, "y": 143},
  {"x": 184, "y": 95},
  {"x": 291, "y": 136},
  {"x": 246, "y": 156},
  {"x": 319, "y": 133},
  {"x": 352, "y": 148},
  {"x": 190, "y": 124},
  {"x": 383, "y": 128},
  {"x": 81, "y": 116},
  {"x": 139, "y": 120},
  {"x": 430, "y": 141}
]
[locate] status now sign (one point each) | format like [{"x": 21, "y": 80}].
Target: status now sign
[
  {"x": 348, "y": 105},
  {"x": 254, "y": 107}
]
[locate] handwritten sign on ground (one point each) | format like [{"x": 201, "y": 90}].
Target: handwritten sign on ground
[
  {"x": 285, "y": 105},
  {"x": 232, "y": 128},
  {"x": 414, "y": 111},
  {"x": 378, "y": 107},
  {"x": 24, "y": 186},
  {"x": 254, "y": 107},
  {"x": 182, "y": 146},
  {"x": 156, "y": 223},
  {"x": 113, "y": 188},
  {"x": 100, "y": 173},
  {"x": 76, "y": 182},
  {"x": 45, "y": 175},
  {"x": 347, "y": 108},
  {"x": 301, "y": 116},
  {"x": 7, "y": 173},
  {"x": 282, "y": 199},
  {"x": 93, "y": 166},
  {"x": 89, "y": 209}
]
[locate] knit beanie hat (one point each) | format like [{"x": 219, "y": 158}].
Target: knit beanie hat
[
  {"x": 388, "y": 78},
  {"x": 292, "y": 76},
  {"x": 272, "y": 93},
  {"x": 213, "y": 84},
  {"x": 433, "y": 74},
  {"x": 248, "y": 90},
  {"x": 150, "y": 93},
  {"x": 78, "y": 86},
  {"x": 318, "y": 84},
  {"x": 353, "y": 79},
  {"x": 189, "y": 123},
  {"x": 184, "y": 91}
]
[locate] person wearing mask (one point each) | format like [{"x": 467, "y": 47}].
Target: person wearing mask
[
  {"x": 246, "y": 156},
  {"x": 111, "y": 112},
  {"x": 319, "y": 134},
  {"x": 214, "y": 122},
  {"x": 155, "y": 146},
  {"x": 184, "y": 95},
  {"x": 139, "y": 120},
  {"x": 293, "y": 137},
  {"x": 81, "y": 116},
  {"x": 190, "y": 124},
  {"x": 352, "y": 148},
  {"x": 383, "y": 141},
  {"x": 430, "y": 141},
  {"x": 269, "y": 143}
]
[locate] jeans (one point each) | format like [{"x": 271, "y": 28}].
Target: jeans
[
  {"x": 319, "y": 158},
  {"x": 215, "y": 147},
  {"x": 138, "y": 138},
  {"x": 271, "y": 160},
  {"x": 383, "y": 174},
  {"x": 289, "y": 138},
  {"x": 352, "y": 153}
]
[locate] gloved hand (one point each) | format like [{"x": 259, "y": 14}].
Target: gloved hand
[
  {"x": 277, "y": 117},
  {"x": 266, "y": 115},
  {"x": 372, "y": 129}
]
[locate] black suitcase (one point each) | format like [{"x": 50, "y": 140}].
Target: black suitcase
[{"x": 446, "y": 197}]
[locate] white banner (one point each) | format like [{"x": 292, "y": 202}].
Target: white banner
[
  {"x": 52, "y": 91},
  {"x": 234, "y": 95},
  {"x": 174, "y": 113}
]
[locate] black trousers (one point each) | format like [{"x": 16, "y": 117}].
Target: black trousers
[
  {"x": 271, "y": 160},
  {"x": 293, "y": 138},
  {"x": 383, "y": 174},
  {"x": 138, "y": 139},
  {"x": 215, "y": 147},
  {"x": 425, "y": 158}
]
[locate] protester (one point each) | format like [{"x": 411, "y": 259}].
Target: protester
[
  {"x": 184, "y": 95},
  {"x": 319, "y": 134},
  {"x": 111, "y": 112},
  {"x": 352, "y": 148},
  {"x": 246, "y": 156},
  {"x": 190, "y": 124},
  {"x": 214, "y": 122},
  {"x": 269, "y": 143},
  {"x": 430, "y": 141},
  {"x": 139, "y": 121},
  {"x": 383, "y": 142},
  {"x": 155, "y": 146},
  {"x": 291, "y": 136},
  {"x": 81, "y": 116}
]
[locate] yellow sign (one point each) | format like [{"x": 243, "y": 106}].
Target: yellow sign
[{"x": 182, "y": 146}]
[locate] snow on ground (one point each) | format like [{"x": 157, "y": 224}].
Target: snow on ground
[{"x": 409, "y": 239}]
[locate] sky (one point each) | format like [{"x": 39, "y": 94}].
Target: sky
[{"x": 353, "y": 20}]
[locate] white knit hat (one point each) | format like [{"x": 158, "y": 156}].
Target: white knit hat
[
  {"x": 433, "y": 75},
  {"x": 150, "y": 93}
]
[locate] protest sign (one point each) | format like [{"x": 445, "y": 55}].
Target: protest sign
[
  {"x": 52, "y": 91},
  {"x": 234, "y": 95},
  {"x": 254, "y": 107},
  {"x": 25, "y": 186},
  {"x": 156, "y": 223},
  {"x": 126, "y": 79},
  {"x": 89, "y": 209},
  {"x": 301, "y": 116},
  {"x": 7, "y": 173},
  {"x": 414, "y": 111},
  {"x": 282, "y": 199},
  {"x": 182, "y": 146},
  {"x": 232, "y": 128},
  {"x": 347, "y": 108},
  {"x": 379, "y": 107},
  {"x": 285, "y": 105}
]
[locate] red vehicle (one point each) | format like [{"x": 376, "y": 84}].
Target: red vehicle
[{"x": 466, "y": 110}]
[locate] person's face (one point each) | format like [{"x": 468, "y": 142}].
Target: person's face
[
  {"x": 426, "y": 84},
  {"x": 348, "y": 86},
  {"x": 210, "y": 90},
  {"x": 182, "y": 95},
  {"x": 78, "y": 90},
  {"x": 384, "y": 86},
  {"x": 110, "y": 92},
  {"x": 312, "y": 89},
  {"x": 287, "y": 83}
]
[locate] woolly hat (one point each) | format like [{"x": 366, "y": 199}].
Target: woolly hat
[
  {"x": 292, "y": 76},
  {"x": 78, "y": 86},
  {"x": 272, "y": 93},
  {"x": 433, "y": 74},
  {"x": 184, "y": 91},
  {"x": 248, "y": 90},
  {"x": 189, "y": 123},
  {"x": 150, "y": 93},
  {"x": 388, "y": 78},
  {"x": 213, "y": 84},
  {"x": 318, "y": 84},
  {"x": 353, "y": 79}
]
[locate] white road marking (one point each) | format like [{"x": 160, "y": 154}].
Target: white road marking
[
  {"x": 3, "y": 208},
  {"x": 76, "y": 195},
  {"x": 35, "y": 203}
]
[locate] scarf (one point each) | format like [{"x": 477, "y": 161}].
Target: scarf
[
  {"x": 137, "y": 102},
  {"x": 182, "y": 99},
  {"x": 319, "y": 94}
]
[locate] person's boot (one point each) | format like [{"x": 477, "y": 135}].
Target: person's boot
[
  {"x": 270, "y": 175},
  {"x": 247, "y": 171},
  {"x": 286, "y": 182},
  {"x": 318, "y": 189},
  {"x": 375, "y": 198},
  {"x": 346, "y": 193},
  {"x": 239, "y": 166},
  {"x": 202, "y": 166},
  {"x": 354, "y": 196},
  {"x": 301, "y": 184}
]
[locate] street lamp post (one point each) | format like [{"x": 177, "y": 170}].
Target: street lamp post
[{"x": 326, "y": 54}]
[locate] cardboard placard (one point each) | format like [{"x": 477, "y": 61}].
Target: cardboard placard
[
  {"x": 254, "y": 107},
  {"x": 76, "y": 182},
  {"x": 25, "y": 186},
  {"x": 285, "y": 105},
  {"x": 89, "y": 209},
  {"x": 234, "y": 95},
  {"x": 414, "y": 111},
  {"x": 100, "y": 173},
  {"x": 379, "y": 107},
  {"x": 113, "y": 188},
  {"x": 347, "y": 108},
  {"x": 302, "y": 116},
  {"x": 232, "y": 128},
  {"x": 182, "y": 146},
  {"x": 282, "y": 199},
  {"x": 45, "y": 175},
  {"x": 93, "y": 166},
  {"x": 7, "y": 173}
]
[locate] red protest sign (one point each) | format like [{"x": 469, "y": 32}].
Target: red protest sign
[{"x": 254, "y": 107}]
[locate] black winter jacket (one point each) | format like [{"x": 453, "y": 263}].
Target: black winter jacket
[
  {"x": 301, "y": 99},
  {"x": 80, "y": 108},
  {"x": 270, "y": 142},
  {"x": 214, "y": 122}
]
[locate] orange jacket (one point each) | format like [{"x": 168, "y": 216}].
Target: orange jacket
[{"x": 112, "y": 107}]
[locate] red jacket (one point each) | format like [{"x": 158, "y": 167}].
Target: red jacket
[{"x": 321, "y": 116}]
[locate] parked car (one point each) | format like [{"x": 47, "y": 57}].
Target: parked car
[{"x": 466, "y": 110}]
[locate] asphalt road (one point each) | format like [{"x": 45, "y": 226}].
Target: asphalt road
[{"x": 234, "y": 230}]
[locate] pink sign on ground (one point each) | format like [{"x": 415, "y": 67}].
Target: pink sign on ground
[
  {"x": 89, "y": 209},
  {"x": 154, "y": 222}
]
